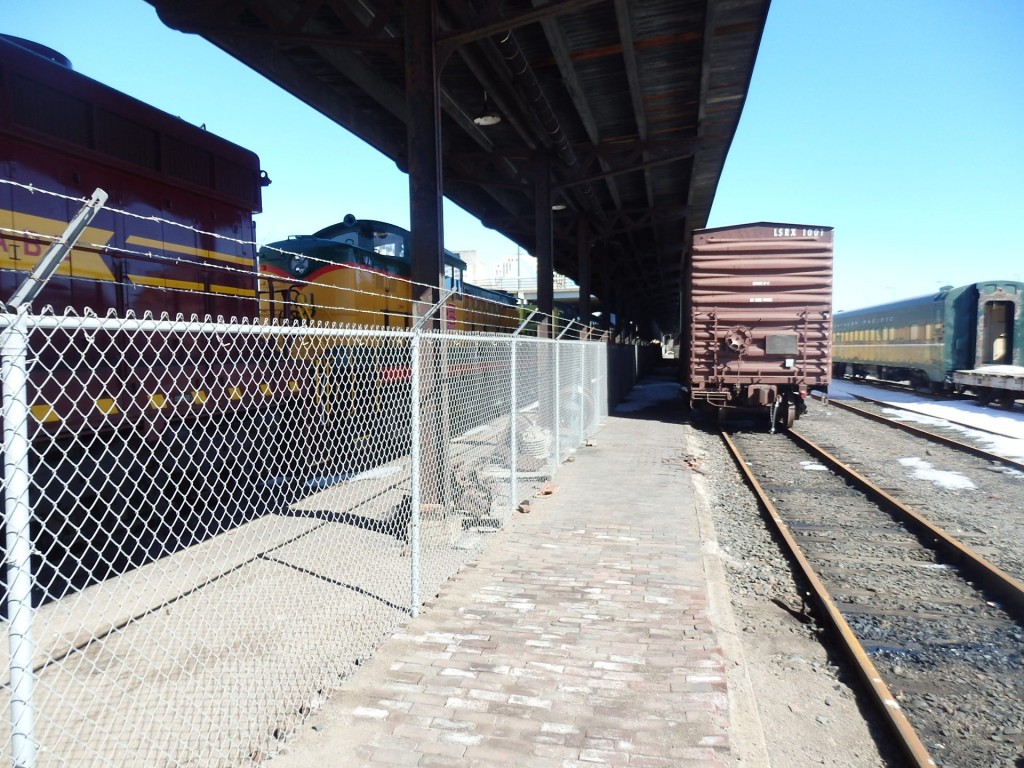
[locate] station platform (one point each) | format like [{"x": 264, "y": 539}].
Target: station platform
[{"x": 590, "y": 632}]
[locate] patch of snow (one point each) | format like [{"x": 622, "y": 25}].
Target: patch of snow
[
  {"x": 999, "y": 370},
  {"x": 1007, "y": 427},
  {"x": 922, "y": 470},
  {"x": 813, "y": 466},
  {"x": 1010, "y": 447}
]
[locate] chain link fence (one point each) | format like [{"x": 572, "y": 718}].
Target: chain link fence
[{"x": 210, "y": 525}]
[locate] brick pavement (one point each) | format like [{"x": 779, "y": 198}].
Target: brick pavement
[{"x": 580, "y": 637}]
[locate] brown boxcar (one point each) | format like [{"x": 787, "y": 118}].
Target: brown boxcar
[{"x": 760, "y": 308}]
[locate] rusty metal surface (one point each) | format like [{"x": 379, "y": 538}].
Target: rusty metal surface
[
  {"x": 925, "y": 433},
  {"x": 988, "y": 576},
  {"x": 760, "y": 306},
  {"x": 885, "y": 703}
]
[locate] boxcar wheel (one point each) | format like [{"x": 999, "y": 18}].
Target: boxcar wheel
[
  {"x": 720, "y": 417},
  {"x": 1005, "y": 400}
]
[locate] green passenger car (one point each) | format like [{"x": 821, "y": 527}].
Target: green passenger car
[{"x": 925, "y": 339}]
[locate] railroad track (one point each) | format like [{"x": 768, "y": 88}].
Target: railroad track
[
  {"x": 934, "y": 629},
  {"x": 937, "y": 432}
]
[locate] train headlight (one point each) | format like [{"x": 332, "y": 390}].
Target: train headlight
[{"x": 299, "y": 265}]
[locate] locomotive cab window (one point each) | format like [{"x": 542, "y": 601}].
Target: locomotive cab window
[{"x": 388, "y": 245}]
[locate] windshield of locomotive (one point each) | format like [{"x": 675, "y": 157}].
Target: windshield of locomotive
[
  {"x": 384, "y": 243},
  {"x": 389, "y": 244}
]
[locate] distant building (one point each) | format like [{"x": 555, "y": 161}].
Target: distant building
[
  {"x": 518, "y": 274},
  {"x": 473, "y": 266}
]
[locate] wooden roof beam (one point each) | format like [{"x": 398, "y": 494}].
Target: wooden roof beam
[{"x": 495, "y": 24}]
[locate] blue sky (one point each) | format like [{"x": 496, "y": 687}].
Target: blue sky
[
  {"x": 901, "y": 124},
  {"x": 898, "y": 122}
]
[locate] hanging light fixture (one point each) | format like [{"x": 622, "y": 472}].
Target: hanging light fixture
[{"x": 487, "y": 116}]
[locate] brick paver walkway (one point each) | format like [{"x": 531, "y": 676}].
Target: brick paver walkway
[{"x": 580, "y": 637}]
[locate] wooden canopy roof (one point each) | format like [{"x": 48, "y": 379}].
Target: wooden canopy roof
[{"x": 634, "y": 102}]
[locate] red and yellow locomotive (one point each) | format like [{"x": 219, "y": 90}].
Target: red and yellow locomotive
[{"x": 107, "y": 410}]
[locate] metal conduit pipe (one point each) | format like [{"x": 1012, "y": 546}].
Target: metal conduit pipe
[{"x": 526, "y": 80}]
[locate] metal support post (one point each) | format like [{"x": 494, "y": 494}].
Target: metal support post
[
  {"x": 558, "y": 409},
  {"x": 513, "y": 477},
  {"x": 18, "y": 512},
  {"x": 583, "y": 393},
  {"x": 513, "y": 430},
  {"x": 415, "y": 491},
  {"x": 60, "y": 248}
]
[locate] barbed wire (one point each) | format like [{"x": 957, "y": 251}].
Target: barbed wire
[{"x": 495, "y": 313}]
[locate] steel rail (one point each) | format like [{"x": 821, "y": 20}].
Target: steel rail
[
  {"x": 926, "y": 434},
  {"x": 884, "y": 700},
  {"x": 933, "y": 436},
  {"x": 875, "y": 401},
  {"x": 991, "y": 578}
]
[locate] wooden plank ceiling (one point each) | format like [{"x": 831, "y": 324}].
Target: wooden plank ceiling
[{"x": 635, "y": 101}]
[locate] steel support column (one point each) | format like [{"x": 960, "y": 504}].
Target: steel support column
[
  {"x": 544, "y": 234},
  {"x": 423, "y": 131},
  {"x": 583, "y": 261}
]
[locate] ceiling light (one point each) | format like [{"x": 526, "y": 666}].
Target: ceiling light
[
  {"x": 487, "y": 116},
  {"x": 558, "y": 207}
]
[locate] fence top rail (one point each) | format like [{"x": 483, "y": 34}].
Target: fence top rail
[
  {"x": 246, "y": 328},
  {"x": 122, "y": 324}
]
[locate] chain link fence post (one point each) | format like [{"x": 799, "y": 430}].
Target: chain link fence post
[
  {"x": 414, "y": 491},
  {"x": 558, "y": 409},
  {"x": 18, "y": 512},
  {"x": 587, "y": 394},
  {"x": 513, "y": 432}
]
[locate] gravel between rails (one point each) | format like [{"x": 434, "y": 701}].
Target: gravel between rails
[
  {"x": 806, "y": 702},
  {"x": 981, "y": 503},
  {"x": 986, "y": 517},
  {"x": 986, "y": 513}
]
